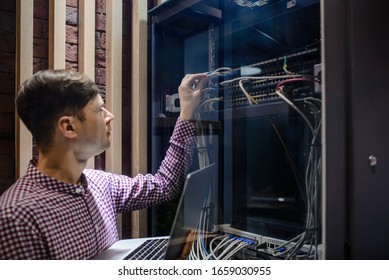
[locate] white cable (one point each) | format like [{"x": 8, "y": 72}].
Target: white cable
[
  {"x": 264, "y": 78},
  {"x": 250, "y": 99},
  {"x": 220, "y": 71},
  {"x": 297, "y": 109},
  {"x": 213, "y": 250},
  {"x": 229, "y": 247},
  {"x": 237, "y": 249}
]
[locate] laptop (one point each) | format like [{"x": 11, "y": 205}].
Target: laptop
[{"x": 197, "y": 189}]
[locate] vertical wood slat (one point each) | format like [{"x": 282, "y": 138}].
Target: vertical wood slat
[
  {"x": 86, "y": 43},
  {"x": 86, "y": 38},
  {"x": 114, "y": 21},
  {"x": 57, "y": 34},
  {"x": 139, "y": 106},
  {"x": 24, "y": 69},
  {"x": 114, "y": 83}
]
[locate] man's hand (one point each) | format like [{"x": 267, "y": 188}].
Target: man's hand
[{"x": 190, "y": 94}]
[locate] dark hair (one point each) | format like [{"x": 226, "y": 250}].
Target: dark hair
[{"x": 50, "y": 94}]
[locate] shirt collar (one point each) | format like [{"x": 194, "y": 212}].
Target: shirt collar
[{"x": 53, "y": 184}]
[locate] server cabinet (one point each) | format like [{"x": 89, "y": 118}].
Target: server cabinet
[
  {"x": 356, "y": 136},
  {"x": 260, "y": 120}
]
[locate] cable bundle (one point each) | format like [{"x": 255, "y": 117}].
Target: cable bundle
[
  {"x": 200, "y": 140},
  {"x": 292, "y": 248}
]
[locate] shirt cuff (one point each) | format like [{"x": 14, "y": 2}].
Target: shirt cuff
[{"x": 184, "y": 132}]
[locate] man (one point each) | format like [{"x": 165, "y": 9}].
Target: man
[{"x": 59, "y": 209}]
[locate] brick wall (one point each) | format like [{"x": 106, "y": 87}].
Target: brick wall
[
  {"x": 100, "y": 45},
  {"x": 7, "y": 93},
  {"x": 41, "y": 35},
  {"x": 72, "y": 34}
]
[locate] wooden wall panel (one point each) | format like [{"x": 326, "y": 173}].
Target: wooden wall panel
[
  {"x": 24, "y": 69},
  {"x": 113, "y": 156},
  {"x": 139, "y": 105},
  {"x": 57, "y": 34},
  {"x": 114, "y": 82},
  {"x": 86, "y": 43}
]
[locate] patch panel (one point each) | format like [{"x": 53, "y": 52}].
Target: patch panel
[
  {"x": 300, "y": 63},
  {"x": 265, "y": 244}
]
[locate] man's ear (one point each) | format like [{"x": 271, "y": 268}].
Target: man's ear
[{"x": 67, "y": 127}]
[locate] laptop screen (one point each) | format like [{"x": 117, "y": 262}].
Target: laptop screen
[{"x": 197, "y": 192}]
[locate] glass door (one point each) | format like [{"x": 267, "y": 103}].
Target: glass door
[{"x": 260, "y": 120}]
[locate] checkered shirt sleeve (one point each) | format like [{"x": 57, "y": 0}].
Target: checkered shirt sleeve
[{"x": 143, "y": 191}]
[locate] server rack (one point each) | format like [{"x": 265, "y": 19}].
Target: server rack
[
  {"x": 260, "y": 55},
  {"x": 329, "y": 37}
]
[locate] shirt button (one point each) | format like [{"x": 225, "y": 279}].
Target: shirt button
[
  {"x": 79, "y": 190},
  {"x": 97, "y": 228}
]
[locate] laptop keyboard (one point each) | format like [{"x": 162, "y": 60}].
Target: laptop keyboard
[{"x": 152, "y": 249}]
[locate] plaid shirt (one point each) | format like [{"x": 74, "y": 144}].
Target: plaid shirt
[{"x": 43, "y": 218}]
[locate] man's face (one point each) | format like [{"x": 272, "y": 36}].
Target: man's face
[{"x": 94, "y": 132}]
